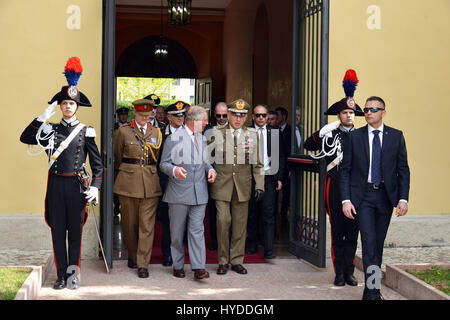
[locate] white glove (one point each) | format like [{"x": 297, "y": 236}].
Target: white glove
[
  {"x": 326, "y": 130},
  {"x": 48, "y": 113},
  {"x": 91, "y": 194}
]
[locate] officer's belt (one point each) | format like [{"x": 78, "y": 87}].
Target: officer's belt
[{"x": 141, "y": 162}]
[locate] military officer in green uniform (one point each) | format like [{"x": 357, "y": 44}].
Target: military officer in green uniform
[
  {"x": 136, "y": 151},
  {"x": 236, "y": 159}
]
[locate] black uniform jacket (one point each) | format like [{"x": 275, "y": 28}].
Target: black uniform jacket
[
  {"x": 72, "y": 158},
  {"x": 314, "y": 143}
]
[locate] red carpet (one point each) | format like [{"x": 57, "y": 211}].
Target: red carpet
[{"x": 211, "y": 256}]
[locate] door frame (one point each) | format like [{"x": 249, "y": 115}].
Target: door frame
[
  {"x": 107, "y": 131},
  {"x": 306, "y": 171}
]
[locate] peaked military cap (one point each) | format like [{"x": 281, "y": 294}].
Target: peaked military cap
[
  {"x": 239, "y": 107},
  {"x": 177, "y": 109},
  {"x": 122, "y": 110},
  {"x": 153, "y": 97},
  {"x": 143, "y": 106}
]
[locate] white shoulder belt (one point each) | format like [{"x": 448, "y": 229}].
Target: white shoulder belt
[{"x": 65, "y": 143}]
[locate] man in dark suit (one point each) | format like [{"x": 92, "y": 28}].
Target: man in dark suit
[
  {"x": 285, "y": 132},
  {"x": 330, "y": 141},
  {"x": 261, "y": 214},
  {"x": 374, "y": 180}
]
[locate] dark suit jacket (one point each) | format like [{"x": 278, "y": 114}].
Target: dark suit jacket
[
  {"x": 281, "y": 158},
  {"x": 286, "y": 138},
  {"x": 394, "y": 166}
]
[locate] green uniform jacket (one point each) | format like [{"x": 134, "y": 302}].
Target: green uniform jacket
[
  {"x": 235, "y": 164},
  {"x": 134, "y": 180}
]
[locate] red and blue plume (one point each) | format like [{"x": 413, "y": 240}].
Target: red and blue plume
[
  {"x": 350, "y": 82},
  {"x": 73, "y": 70}
]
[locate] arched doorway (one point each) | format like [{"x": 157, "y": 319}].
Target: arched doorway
[{"x": 138, "y": 60}]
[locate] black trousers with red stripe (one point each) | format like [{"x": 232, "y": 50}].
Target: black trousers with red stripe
[
  {"x": 344, "y": 231},
  {"x": 65, "y": 207}
]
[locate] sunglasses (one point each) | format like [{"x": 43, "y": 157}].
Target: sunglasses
[
  {"x": 373, "y": 110},
  {"x": 260, "y": 115},
  {"x": 221, "y": 116}
]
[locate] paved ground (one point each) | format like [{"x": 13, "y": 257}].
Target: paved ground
[
  {"x": 284, "y": 279},
  {"x": 414, "y": 239}
]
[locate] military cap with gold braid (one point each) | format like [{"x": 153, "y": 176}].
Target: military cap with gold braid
[
  {"x": 143, "y": 106},
  {"x": 239, "y": 107},
  {"x": 153, "y": 97},
  {"x": 177, "y": 109}
]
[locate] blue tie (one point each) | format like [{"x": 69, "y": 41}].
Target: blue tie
[{"x": 376, "y": 158}]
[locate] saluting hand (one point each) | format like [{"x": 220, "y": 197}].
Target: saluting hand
[
  {"x": 348, "y": 209},
  {"x": 48, "y": 113},
  {"x": 180, "y": 173}
]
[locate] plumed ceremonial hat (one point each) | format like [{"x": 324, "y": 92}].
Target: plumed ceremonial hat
[
  {"x": 72, "y": 71},
  {"x": 348, "y": 103}
]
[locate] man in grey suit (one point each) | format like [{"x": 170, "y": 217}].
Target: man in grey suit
[{"x": 187, "y": 191}]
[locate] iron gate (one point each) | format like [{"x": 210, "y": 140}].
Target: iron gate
[{"x": 309, "y": 101}]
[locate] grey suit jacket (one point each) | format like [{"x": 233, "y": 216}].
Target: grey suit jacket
[{"x": 180, "y": 151}]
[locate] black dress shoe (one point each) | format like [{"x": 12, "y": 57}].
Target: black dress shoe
[
  {"x": 132, "y": 263},
  {"x": 339, "y": 280},
  {"x": 201, "y": 274},
  {"x": 142, "y": 273},
  {"x": 239, "y": 269},
  {"x": 60, "y": 283},
  {"x": 251, "y": 249},
  {"x": 351, "y": 280},
  {"x": 269, "y": 255},
  {"x": 167, "y": 262},
  {"x": 223, "y": 269},
  {"x": 179, "y": 273}
]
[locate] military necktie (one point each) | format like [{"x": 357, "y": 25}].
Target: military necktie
[
  {"x": 142, "y": 130},
  {"x": 376, "y": 158},
  {"x": 235, "y": 135}
]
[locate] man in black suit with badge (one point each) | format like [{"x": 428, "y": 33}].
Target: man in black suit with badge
[
  {"x": 261, "y": 214},
  {"x": 374, "y": 179}
]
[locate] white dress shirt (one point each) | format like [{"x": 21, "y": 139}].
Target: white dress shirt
[
  {"x": 265, "y": 155},
  {"x": 144, "y": 127},
  {"x": 371, "y": 135}
]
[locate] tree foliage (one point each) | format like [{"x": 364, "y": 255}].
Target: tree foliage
[{"x": 130, "y": 89}]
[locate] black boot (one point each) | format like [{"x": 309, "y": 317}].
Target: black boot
[
  {"x": 60, "y": 283},
  {"x": 339, "y": 280},
  {"x": 351, "y": 280}
]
